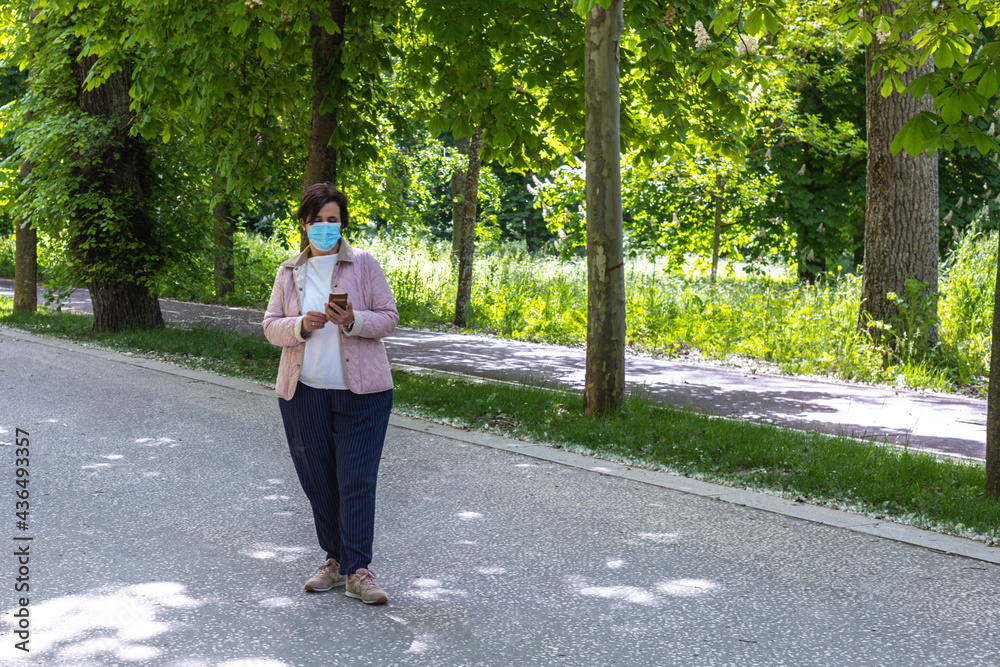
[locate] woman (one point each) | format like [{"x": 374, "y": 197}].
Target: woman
[{"x": 334, "y": 385}]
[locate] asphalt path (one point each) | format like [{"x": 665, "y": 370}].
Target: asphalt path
[
  {"x": 169, "y": 529},
  {"x": 940, "y": 423}
]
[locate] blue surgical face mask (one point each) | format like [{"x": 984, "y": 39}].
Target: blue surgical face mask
[{"x": 324, "y": 235}]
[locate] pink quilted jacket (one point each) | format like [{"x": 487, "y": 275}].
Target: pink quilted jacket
[{"x": 366, "y": 365}]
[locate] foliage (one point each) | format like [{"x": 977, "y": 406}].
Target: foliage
[
  {"x": 508, "y": 67},
  {"x": 108, "y": 235},
  {"x": 235, "y": 77},
  {"x": 962, "y": 39},
  {"x": 968, "y": 278},
  {"x": 668, "y": 208},
  {"x": 969, "y": 194}
]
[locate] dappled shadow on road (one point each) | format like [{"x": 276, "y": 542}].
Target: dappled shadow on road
[{"x": 881, "y": 415}]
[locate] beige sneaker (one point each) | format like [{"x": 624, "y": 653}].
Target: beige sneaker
[
  {"x": 328, "y": 577},
  {"x": 361, "y": 585}
]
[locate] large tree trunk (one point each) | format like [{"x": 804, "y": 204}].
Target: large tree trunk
[
  {"x": 901, "y": 208},
  {"x": 225, "y": 227},
  {"x": 115, "y": 253},
  {"x": 321, "y": 165},
  {"x": 123, "y": 305},
  {"x": 604, "y": 384},
  {"x": 993, "y": 402},
  {"x": 25, "y": 260},
  {"x": 463, "y": 297}
]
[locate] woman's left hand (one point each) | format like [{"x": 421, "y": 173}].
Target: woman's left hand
[{"x": 341, "y": 316}]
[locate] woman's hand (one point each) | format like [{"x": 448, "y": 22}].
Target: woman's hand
[
  {"x": 342, "y": 316},
  {"x": 314, "y": 320}
]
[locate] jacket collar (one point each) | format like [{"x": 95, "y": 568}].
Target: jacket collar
[{"x": 346, "y": 255}]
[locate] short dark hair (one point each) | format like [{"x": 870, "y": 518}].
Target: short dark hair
[{"x": 318, "y": 195}]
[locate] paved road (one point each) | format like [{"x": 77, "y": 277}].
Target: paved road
[
  {"x": 940, "y": 423},
  {"x": 169, "y": 529}
]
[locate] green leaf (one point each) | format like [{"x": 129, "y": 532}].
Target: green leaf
[
  {"x": 970, "y": 106},
  {"x": 886, "y": 86},
  {"x": 943, "y": 57},
  {"x": 951, "y": 111},
  {"x": 982, "y": 142},
  {"x": 754, "y": 21},
  {"x": 866, "y": 33},
  {"x": 771, "y": 21},
  {"x": 269, "y": 39},
  {"x": 239, "y": 26},
  {"x": 583, "y": 7},
  {"x": 973, "y": 72},
  {"x": 990, "y": 83},
  {"x": 915, "y": 136},
  {"x": 991, "y": 50},
  {"x": 919, "y": 85}
]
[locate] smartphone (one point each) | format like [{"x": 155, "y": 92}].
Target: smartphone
[{"x": 339, "y": 299}]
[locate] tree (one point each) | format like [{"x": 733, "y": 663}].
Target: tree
[
  {"x": 458, "y": 201},
  {"x": 489, "y": 73},
  {"x": 327, "y": 36},
  {"x": 15, "y": 22},
  {"x": 470, "y": 198},
  {"x": 90, "y": 177},
  {"x": 717, "y": 70},
  {"x": 113, "y": 180},
  {"x": 963, "y": 44},
  {"x": 604, "y": 384},
  {"x": 901, "y": 210},
  {"x": 25, "y": 259},
  {"x": 993, "y": 401},
  {"x": 225, "y": 227}
]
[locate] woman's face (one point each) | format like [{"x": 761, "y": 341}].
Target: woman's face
[{"x": 330, "y": 212}]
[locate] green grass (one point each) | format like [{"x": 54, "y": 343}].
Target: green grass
[{"x": 901, "y": 484}]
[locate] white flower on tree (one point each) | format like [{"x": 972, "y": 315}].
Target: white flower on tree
[
  {"x": 701, "y": 37},
  {"x": 746, "y": 44}
]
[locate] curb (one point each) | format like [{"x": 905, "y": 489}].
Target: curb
[{"x": 858, "y": 523}]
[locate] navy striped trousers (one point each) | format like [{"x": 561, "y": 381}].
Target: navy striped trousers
[{"x": 335, "y": 437}]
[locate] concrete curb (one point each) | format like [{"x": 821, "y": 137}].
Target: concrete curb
[{"x": 947, "y": 544}]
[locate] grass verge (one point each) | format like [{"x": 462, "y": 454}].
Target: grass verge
[{"x": 893, "y": 483}]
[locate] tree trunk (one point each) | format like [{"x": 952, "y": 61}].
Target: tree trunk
[
  {"x": 457, "y": 213},
  {"x": 321, "y": 165},
  {"x": 115, "y": 253},
  {"x": 720, "y": 183},
  {"x": 604, "y": 383},
  {"x": 464, "y": 295},
  {"x": 123, "y": 305},
  {"x": 901, "y": 207},
  {"x": 25, "y": 234},
  {"x": 25, "y": 260},
  {"x": 225, "y": 227},
  {"x": 993, "y": 400}
]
